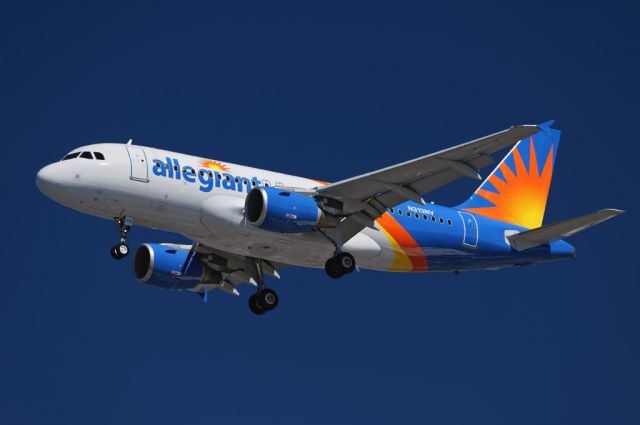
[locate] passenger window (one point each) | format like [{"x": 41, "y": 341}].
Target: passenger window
[
  {"x": 99, "y": 156},
  {"x": 391, "y": 210},
  {"x": 417, "y": 215},
  {"x": 449, "y": 222},
  {"x": 400, "y": 212},
  {"x": 441, "y": 220},
  {"x": 433, "y": 218},
  {"x": 424, "y": 216},
  {"x": 71, "y": 156},
  {"x": 86, "y": 155}
]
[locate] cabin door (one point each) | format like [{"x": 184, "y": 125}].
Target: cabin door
[{"x": 138, "y": 160}]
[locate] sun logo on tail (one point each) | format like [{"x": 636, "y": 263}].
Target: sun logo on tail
[
  {"x": 520, "y": 196},
  {"x": 213, "y": 165}
]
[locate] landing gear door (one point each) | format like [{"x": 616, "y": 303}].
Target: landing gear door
[
  {"x": 138, "y": 159},
  {"x": 470, "y": 238}
]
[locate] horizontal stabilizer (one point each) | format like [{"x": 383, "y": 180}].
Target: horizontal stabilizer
[{"x": 560, "y": 230}]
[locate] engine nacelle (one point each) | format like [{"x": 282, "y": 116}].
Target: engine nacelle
[
  {"x": 279, "y": 210},
  {"x": 167, "y": 266}
]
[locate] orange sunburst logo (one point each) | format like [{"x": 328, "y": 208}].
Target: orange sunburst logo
[
  {"x": 213, "y": 165},
  {"x": 521, "y": 197}
]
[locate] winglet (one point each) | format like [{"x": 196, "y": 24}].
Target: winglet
[{"x": 546, "y": 125}]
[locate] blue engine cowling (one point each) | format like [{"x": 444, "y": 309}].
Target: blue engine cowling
[
  {"x": 167, "y": 267},
  {"x": 278, "y": 210}
]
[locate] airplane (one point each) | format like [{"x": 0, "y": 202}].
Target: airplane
[{"x": 247, "y": 223}]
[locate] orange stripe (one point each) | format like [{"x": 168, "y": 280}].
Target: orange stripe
[
  {"x": 321, "y": 182},
  {"x": 409, "y": 245}
]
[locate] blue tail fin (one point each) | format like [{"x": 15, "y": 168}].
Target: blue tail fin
[{"x": 516, "y": 191}]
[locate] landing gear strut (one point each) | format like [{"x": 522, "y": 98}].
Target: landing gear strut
[
  {"x": 264, "y": 299},
  {"x": 121, "y": 249},
  {"x": 340, "y": 264}
]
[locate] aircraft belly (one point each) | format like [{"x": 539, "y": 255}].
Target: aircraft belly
[{"x": 308, "y": 250}]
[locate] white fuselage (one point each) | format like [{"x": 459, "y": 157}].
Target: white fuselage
[{"x": 197, "y": 197}]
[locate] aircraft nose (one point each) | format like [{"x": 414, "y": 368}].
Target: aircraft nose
[{"x": 48, "y": 180}]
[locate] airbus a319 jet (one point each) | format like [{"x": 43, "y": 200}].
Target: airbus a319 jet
[{"x": 248, "y": 223}]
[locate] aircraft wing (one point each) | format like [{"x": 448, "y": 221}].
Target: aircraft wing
[
  {"x": 560, "y": 230},
  {"x": 225, "y": 271},
  {"x": 365, "y": 197}
]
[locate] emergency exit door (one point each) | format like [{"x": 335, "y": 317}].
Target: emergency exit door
[{"x": 470, "y": 237}]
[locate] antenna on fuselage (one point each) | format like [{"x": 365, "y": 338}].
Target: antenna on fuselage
[{"x": 130, "y": 142}]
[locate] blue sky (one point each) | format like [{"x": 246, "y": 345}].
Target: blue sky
[{"x": 325, "y": 91}]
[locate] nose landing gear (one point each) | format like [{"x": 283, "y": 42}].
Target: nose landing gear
[
  {"x": 340, "y": 264},
  {"x": 121, "y": 250}
]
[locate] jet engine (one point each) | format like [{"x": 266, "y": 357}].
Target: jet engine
[
  {"x": 278, "y": 210},
  {"x": 167, "y": 266}
]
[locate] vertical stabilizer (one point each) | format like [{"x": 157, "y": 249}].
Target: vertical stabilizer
[{"x": 516, "y": 191}]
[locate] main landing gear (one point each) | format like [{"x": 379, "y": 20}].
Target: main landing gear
[
  {"x": 264, "y": 299},
  {"x": 340, "y": 264},
  {"x": 121, "y": 249}
]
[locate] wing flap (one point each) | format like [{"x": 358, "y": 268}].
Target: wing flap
[
  {"x": 225, "y": 271},
  {"x": 560, "y": 230}
]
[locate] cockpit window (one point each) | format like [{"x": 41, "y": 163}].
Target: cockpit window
[
  {"x": 99, "y": 156},
  {"x": 71, "y": 156},
  {"x": 86, "y": 155}
]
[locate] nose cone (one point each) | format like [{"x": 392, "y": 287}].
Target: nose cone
[{"x": 48, "y": 180}]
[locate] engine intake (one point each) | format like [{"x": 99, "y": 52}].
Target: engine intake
[
  {"x": 278, "y": 210},
  {"x": 167, "y": 266}
]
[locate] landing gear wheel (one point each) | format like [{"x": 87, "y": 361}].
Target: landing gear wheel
[
  {"x": 267, "y": 299},
  {"x": 332, "y": 268},
  {"x": 119, "y": 251},
  {"x": 264, "y": 299},
  {"x": 341, "y": 264},
  {"x": 254, "y": 307},
  {"x": 346, "y": 262}
]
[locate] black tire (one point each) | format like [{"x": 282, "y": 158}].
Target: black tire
[
  {"x": 267, "y": 299},
  {"x": 254, "y": 307},
  {"x": 345, "y": 262},
  {"x": 115, "y": 253},
  {"x": 123, "y": 249},
  {"x": 332, "y": 268},
  {"x": 119, "y": 251}
]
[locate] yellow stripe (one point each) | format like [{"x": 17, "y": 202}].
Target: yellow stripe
[{"x": 401, "y": 262}]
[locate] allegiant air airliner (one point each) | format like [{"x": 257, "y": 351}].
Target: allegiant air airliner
[{"x": 247, "y": 223}]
